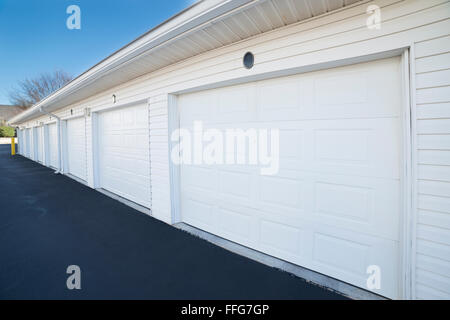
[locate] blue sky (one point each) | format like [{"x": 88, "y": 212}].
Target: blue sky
[{"x": 34, "y": 37}]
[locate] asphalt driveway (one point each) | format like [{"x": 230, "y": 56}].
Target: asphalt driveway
[{"x": 49, "y": 221}]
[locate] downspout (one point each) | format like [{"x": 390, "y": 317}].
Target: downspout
[{"x": 58, "y": 119}]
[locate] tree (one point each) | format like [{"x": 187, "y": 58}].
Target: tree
[{"x": 30, "y": 91}]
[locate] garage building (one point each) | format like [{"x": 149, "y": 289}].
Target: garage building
[{"x": 362, "y": 107}]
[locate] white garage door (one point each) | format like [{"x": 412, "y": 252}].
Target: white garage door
[
  {"x": 334, "y": 204},
  {"x": 76, "y": 147},
  {"x": 21, "y": 141},
  {"x": 124, "y": 154},
  {"x": 52, "y": 145},
  {"x": 39, "y": 144}
]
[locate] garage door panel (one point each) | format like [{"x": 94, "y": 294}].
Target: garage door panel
[
  {"x": 290, "y": 151},
  {"x": 237, "y": 225},
  {"x": 200, "y": 213},
  {"x": 362, "y": 147},
  {"x": 236, "y": 103},
  {"x": 123, "y": 143},
  {"x": 53, "y": 145},
  {"x": 132, "y": 177},
  {"x": 336, "y": 254},
  {"x": 26, "y": 143},
  {"x": 133, "y": 165},
  {"x": 200, "y": 178},
  {"x": 346, "y": 146},
  {"x": 199, "y": 195},
  {"x": 356, "y": 204},
  {"x": 114, "y": 179},
  {"x": 356, "y": 147},
  {"x": 33, "y": 144},
  {"x": 76, "y": 147},
  {"x": 234, "y": 183},
  {"x": 201, "y": 105},
  {"x": 123, "y": 132},
  {"x": 282, "y": 192},
  {"x": 330, "y": 251},
  {"x": 334, "y": 205},
  {"x": 29, "y": 144},
  {"x": 279, "y": 95},
  {"x": 281, "y": 238},
  {"x": 39, "y": 145}
]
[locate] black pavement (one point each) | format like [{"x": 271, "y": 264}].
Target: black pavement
[{"x": 49, "y": 221}]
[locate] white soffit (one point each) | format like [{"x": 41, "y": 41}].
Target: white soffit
[{"x": 207, "y": 25}]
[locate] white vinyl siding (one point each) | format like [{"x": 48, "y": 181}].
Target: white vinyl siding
[
  {"x": 433, "y": 169},
  {"x": 422, "y": 25}
]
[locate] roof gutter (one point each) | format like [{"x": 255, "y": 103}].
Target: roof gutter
[{"x": 198, "y": 14}]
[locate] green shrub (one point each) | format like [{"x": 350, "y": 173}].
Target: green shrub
[{"x": 6, "y": 131}]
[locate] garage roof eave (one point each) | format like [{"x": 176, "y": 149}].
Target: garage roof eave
[
  {"x": 181, "y": 33},
  {"x": 196, "y": 15}
]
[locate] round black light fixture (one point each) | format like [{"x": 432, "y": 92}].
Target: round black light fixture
[{"x": 248, "y": 60}]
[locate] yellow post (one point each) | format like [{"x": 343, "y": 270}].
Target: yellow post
[{"x": 13, "y": 146}]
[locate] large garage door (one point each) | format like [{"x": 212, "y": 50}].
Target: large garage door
[
  {"x": 19, "y": 141},
  {"x": 76, "y": 147},
  {"x": 28, "y": 143},
  {"x": 52, "y": 145},
  {"x": 124, "y": 154},
  {"x": 334, "y": 204}
]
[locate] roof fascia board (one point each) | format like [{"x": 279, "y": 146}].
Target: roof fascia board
[{"x": 192, "y": 17}]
